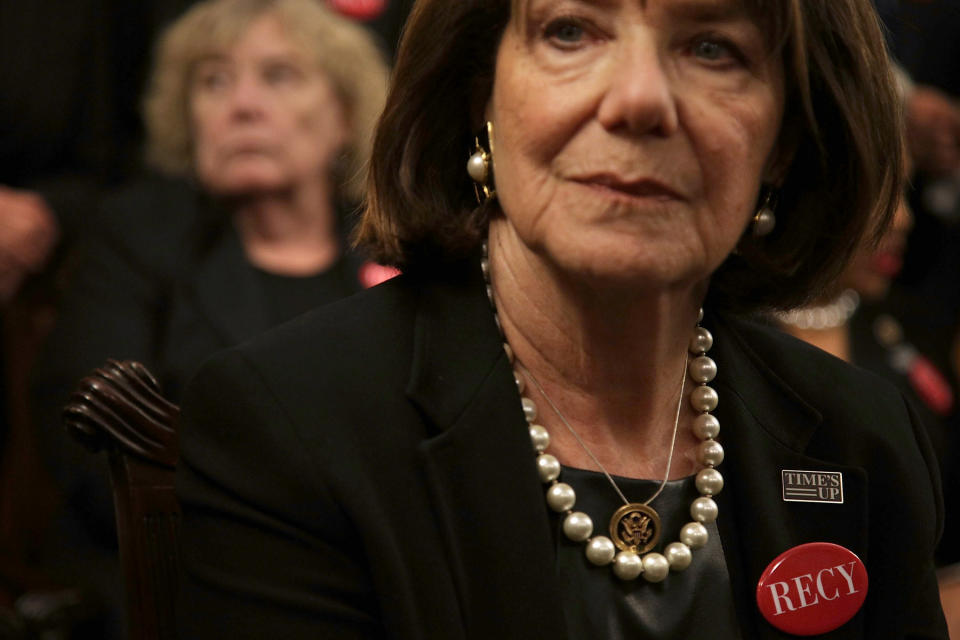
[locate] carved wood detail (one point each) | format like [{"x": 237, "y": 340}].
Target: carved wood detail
[{"x": 118, "y": 407}]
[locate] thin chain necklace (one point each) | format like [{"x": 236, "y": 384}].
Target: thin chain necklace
[
  {"x": 596, "y": 461},
  {"x": 635, "y": 527}
]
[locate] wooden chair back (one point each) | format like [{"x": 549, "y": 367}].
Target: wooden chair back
[{"x": 119, "y": 409}]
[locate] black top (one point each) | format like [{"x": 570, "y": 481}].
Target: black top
[
  {"x": 695, "y": 603},
  {"x": 289, "y": 296},
  {"x": 161, "y": 276}
]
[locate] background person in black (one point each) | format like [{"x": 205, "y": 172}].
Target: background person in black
[
  {"x": 265, "y": 109},
  {"x": 923, "y": 38},
  {"x": 925, "y": 298}
]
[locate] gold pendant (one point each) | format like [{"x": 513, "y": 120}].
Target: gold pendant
[{"x": 635, "y": 527}]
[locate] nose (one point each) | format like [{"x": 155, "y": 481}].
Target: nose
[
  {"x": 247, "y": 97},
  {"x": 903, "y": 216},
  {"x": 638, "y": 96}
]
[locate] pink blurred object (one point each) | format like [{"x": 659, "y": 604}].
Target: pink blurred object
[
  {"x": 359, "y": 9},
  {"x": 372, "y": 274}
]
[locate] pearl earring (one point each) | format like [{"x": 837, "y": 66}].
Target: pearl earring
[
  {"x": 764, "y": 220},
  {"x": 480, "y": 168}
]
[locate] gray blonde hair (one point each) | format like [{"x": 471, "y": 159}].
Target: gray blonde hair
[{"x": 341, "y": 48}]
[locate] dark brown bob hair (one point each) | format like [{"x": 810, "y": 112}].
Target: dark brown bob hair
[{"x": 843, "y": 122}]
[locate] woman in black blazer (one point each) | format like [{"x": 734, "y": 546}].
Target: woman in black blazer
[{"x": 440, "y": 456}]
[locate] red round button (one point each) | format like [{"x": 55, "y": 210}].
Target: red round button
[{"x": 811, "y": 589}]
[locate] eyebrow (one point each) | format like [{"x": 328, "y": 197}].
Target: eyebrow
[
  {"x": 708, "y": 10},
  {"x": 270, "y": 58},
  {"x": 700, "y": 10},
  {"x": 695, "y": 11},
  {"x": 210, "y": 58}
]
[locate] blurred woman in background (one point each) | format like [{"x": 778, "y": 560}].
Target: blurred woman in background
[{"x": 260, "y": 113}]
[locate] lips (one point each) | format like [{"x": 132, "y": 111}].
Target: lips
[
  {"x": 248, "y": 142},
  {"x": 248, "y": 148},
  {"x": 631, "y": 187},
  {"x": 887, "y": 263}
]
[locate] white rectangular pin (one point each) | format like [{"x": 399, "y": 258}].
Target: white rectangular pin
[{"x": 812, "y": 486}]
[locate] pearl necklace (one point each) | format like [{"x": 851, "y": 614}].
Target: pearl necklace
[
  {"x": 635, "y": 527},
  {"x": 826, "y": 316}
]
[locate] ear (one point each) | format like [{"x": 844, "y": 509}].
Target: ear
[{"x": 481, "y": 97}]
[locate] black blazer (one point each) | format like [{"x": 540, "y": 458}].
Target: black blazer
[{"x": 365, "y": 471}]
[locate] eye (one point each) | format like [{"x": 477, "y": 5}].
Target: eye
[
  {"x": 280, "y": 74},
  {"x": 716, "y": 50},
  {"x": 277, "y": 74},
  {"x": 213, "y": 79},
  {"x": 565, "y": 32}
]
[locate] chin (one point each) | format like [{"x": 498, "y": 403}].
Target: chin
[
  {"x": 874, "y": 290},
  {"x": 641, "y": 269},
  {"x": 248, "y": 184}
]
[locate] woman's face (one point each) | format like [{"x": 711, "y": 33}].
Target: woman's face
[
  {"x": 264, "y": 116},
  {"x": 872, "y": 269},
  {"x": 632, "y": 136}
]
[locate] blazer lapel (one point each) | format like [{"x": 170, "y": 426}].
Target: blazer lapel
[
  {"x": 480, "y": 468},
  {"x": 766, "y": 428}
]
